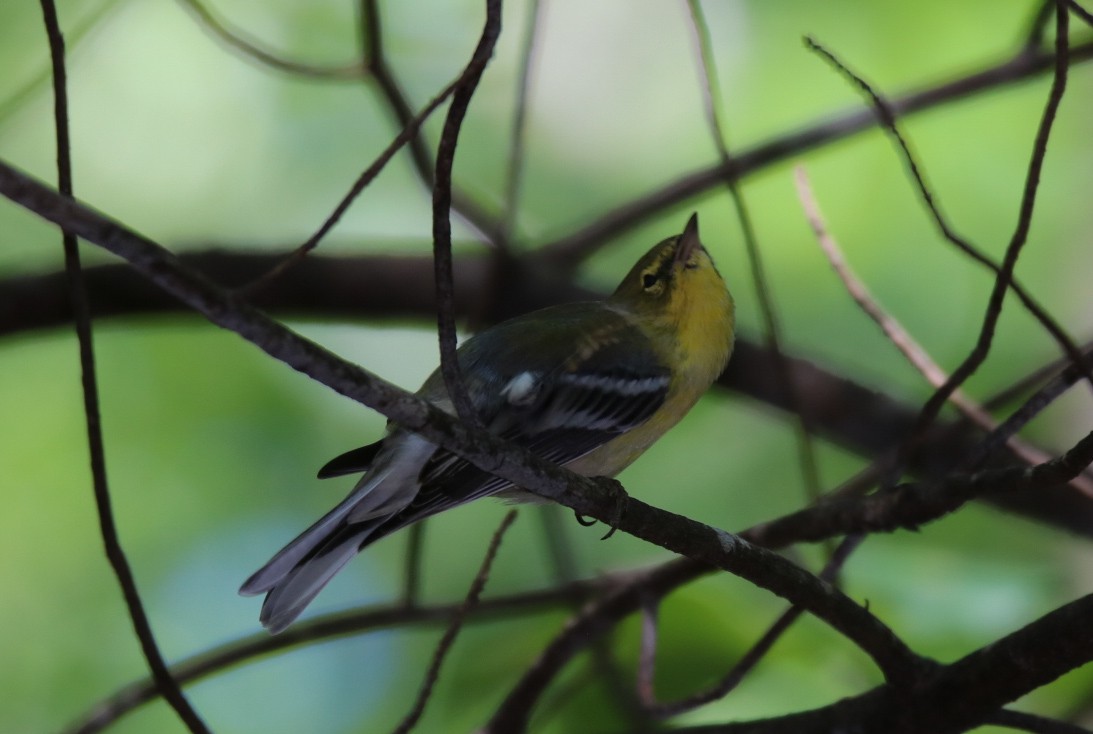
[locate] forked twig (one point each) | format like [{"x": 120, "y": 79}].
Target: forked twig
[
  {"x": 771, "y": 329},
  {"x": 1004, "y": 276},
  {"x": 448, "y": 639},
  {"x": 381, "y": 72},
  {"x": 514, "y": 174},
  {"x": 367, "y": 176},
  {"x": 572, "y": 249},
  {"x": 902, "y": 339}
]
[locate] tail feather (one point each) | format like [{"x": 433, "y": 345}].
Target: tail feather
[
  {"x": 291, "y": 594},
  {"x": 289, "y": 557},
  {"x": 375, "y": 507}
]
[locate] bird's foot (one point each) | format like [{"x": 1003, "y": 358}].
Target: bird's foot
[{"x": 618, "y": 496}]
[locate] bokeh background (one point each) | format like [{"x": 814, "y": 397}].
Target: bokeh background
[{"x": 212, "y": 447}]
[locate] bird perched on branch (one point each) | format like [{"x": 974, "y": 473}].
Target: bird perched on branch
[{"x": 587, "y": 385}]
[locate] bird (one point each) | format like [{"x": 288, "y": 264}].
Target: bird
[{"x": 588, "y": 385}]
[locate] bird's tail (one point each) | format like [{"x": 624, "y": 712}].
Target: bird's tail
[{"x": 300, "y": 570}]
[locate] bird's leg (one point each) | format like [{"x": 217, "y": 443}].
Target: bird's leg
[{"x": 615, "y": 491}]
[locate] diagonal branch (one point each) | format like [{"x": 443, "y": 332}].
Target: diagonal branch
[
  {"x": 887, "y": 117},
  {"x": 375, "y": 61},
  {"x": 455, "y": 624},
  {"x": 958, "y": 696},
  {"x": 676, "y": 533},
  {"x": 1017, "y": 242},
  {"x": 327, "y": 627},
  {"x": 572, "y": 249},
  {"x": 906, "y": 506}
]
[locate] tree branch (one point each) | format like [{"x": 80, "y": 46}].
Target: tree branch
[
  {"x": 956, "y": 697},
  {"x": 673, "y": 532},
  {"x": 570, "y": 250},
  {"x": 115, "y": 554}
]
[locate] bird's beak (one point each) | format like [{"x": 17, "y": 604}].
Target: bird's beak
[{"x": 688, "y": 241}]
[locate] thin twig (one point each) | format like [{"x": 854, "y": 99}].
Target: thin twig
[
  {"x": 1076, "y": 8},
  {"x": 456, "y": 624},
  {"x": 514, "y": 174},
  {"x": 1037, "y": 27},
  {"x": 910, "y": 505},
  {"x": 886, "y": 114},
  {"x": 115, "y": 554},
  {"x": 367, "y": 176},
  {"x": 572, "y": 249},
  {"x": 123, "y": 701},
  {"x": 397, "y": 102},
  {"x": 250, "y": 50},
  {"x": 1038, "y": 376},
  {"x": 806, "y": 451},
  {"x": 902, "y": 339},
  {"x": 1017, "y": 242},
  {"x": 1021, "y": 417},
  {"x": 753, "y": 656},
  {"x": 17, "y": 98},
  {"x": 442, "y": 205}
]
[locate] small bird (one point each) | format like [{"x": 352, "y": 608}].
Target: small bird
[{"x": 586, "y": 385}]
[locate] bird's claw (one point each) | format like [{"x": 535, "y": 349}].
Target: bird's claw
[
  {"x": 618, "y": 497},
  {"x": 583, "y": 520}
]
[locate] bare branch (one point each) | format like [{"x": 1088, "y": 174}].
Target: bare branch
[
  {"x": 456, "y": 624},
  {"x": 572, "y": 249},
  {"x": 248, "y": 49},
  {"x": 903, "y": 340},
  {"x": 676, "y": 533},
  {"x": 442, "y": 205},
  {"x": 514, "y": 175},
  {"x": 1004, "y": 274},
  {"x": 326, "y": 627},
  {"x": 958, "y": 696},
  {"x": 367, "y": 176},
  {"x": 398, "y": 104},
  {"x": 914, "y": 504},
  {"x": 115, "y": 554}
]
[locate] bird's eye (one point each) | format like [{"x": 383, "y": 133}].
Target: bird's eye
[{"x": 649, "y": 280}]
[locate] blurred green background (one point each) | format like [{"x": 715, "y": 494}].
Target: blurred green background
[{"x": 212, "y": 447}]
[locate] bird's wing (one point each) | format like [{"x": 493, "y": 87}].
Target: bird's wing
[{"x": 561, "y": 412}]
